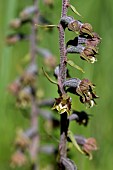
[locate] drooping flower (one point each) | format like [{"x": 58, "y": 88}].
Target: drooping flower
[
  {"x": 86, "y": 53},
  {"x": 83, "y": 88},
  {"x": 89, "y": 53},
  {"x": 85, "y": 91},
  {"x": 89, "y": 146},
  {"x": 22, "y": 140},
  {"x": 18, "y": 159}
]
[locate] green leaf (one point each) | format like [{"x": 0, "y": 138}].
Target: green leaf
[
  {"x": 46, "y": 26},
  {"x": 74, "y": 10},
  {"x": 72, "y": 64},
  {"x": 52, "y": 81},
  {"x": 71, "y": 136}
]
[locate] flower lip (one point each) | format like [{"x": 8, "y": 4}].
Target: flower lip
[{"x": 63, "y": 104}]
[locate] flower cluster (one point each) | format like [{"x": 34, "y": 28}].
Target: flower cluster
[
  {"x": 24, "y": 88},
  {"x": 86, "y": 43}
]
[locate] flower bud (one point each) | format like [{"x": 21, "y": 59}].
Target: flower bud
[
  {"x": 14, "y": 38},
  {"x": 15, "y": 87},
  {"x": 75, "y": 26},
  {"x": 18, "y": 159},
  {"x": 22, "y": 141},
  {"x": 50, "y": 3},
  {"x": 93, "y": 41},
  {"x": 16, "y": 23},
  {"x": 28, "y": 11},
  {"x": 86, "y": 28},
  {"x": 29, "y": 76},
  {"x": 50, "y": 61},
  {"x": 89, "y": 146},
  {"x": 24, "y": 97}
]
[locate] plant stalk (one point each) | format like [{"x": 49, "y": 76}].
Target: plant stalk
[{"x": 61, "y": 80}]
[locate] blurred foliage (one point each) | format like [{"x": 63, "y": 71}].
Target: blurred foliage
[{"x": 99, "y": 14}]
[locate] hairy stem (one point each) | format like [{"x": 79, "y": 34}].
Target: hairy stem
[{"x": 61, "y": 79}]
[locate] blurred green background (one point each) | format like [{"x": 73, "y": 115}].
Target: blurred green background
[{"x": 97, "y": 12}]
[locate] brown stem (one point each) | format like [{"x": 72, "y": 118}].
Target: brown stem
[
  {"x": 33, "y": 40},
  {"x": 61, "y": 79}
]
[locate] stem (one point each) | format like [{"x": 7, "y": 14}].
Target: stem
[
  {"x": 33, "y": 33},
  {"x": 34, "y": 147},
  {"x": 61, "y": 80}
]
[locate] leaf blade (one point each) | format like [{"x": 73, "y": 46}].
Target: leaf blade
[
  {"x": 52, "y": 81},
  {"x": 74, "y": 10},
  {"x": 72, "y": 64},
  {"x": 71, "y": 136}
]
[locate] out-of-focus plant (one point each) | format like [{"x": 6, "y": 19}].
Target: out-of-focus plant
[{"x": 28, "y": 97}]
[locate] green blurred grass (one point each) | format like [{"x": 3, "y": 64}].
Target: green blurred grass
[{"x": 99, "y": 14}]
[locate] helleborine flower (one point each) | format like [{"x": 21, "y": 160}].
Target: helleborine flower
[
  {"x": 81, "y": 28},
  {"x": 86, "y": 28},
  {"x": 16, "y": 23},
  {"x": 29, "y": 76},
  {"x": 89, "y": 53},
  {"x": 75, "y": 26},
  {"x": 85, "y": 91},
  {"x": 85, "y": 40},
  {"x": 24, "y": 97},
  {"x": 86, "y": 53},
  {"x": 22, "y": 140},
  {"x": 49, "y": 2},
  {"x": 18, "y": 159},
  {"x": 83, "y": 88},
  {"x": 50, "y": 61},
  {"x": 63, "y": 104},
  {"x": 93, "y": 41},
  {"x": 14, "y": 38},
  {"x": 15, "y": 87},
  {"x": 25, "y": 13},
  {"x": 89, "y": 146}
]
